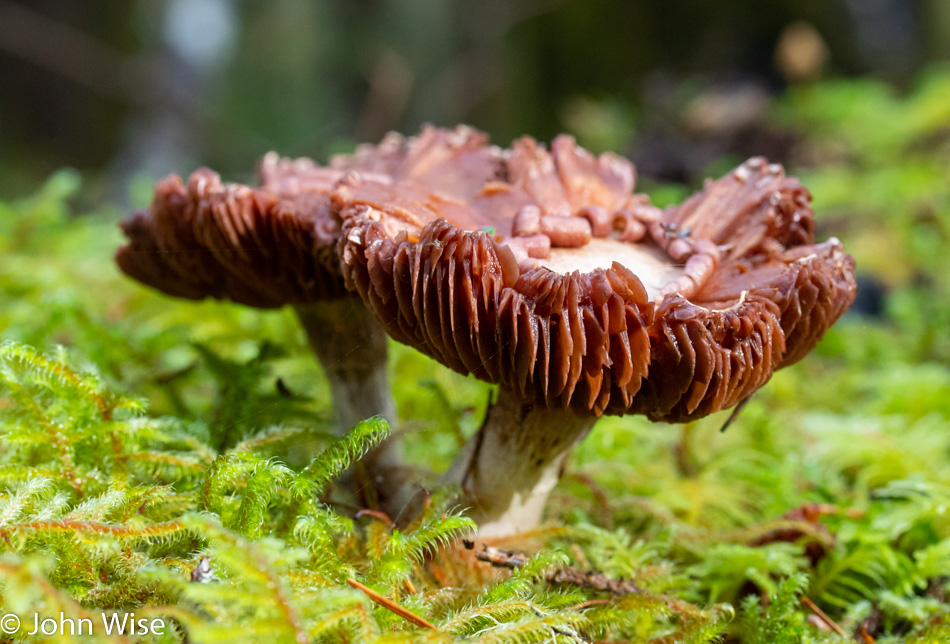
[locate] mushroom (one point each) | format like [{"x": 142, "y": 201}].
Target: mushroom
[
  {"x": 273, "y": 246},
  {"x": 688, "y": 314}
]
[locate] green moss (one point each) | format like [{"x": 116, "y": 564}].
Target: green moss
[{"x": 161, "y": 436}]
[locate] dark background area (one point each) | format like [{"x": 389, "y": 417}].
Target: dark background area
[{"x": 123, "y": 90}]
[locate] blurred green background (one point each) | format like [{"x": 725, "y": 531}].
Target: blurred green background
[{"x": 125, "y": 89}]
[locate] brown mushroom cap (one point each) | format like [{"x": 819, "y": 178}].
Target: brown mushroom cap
[
  {"x": 229, "y": 241},
  {"x": 273, "y": 245},
  {"x": 673, "y": 314}
]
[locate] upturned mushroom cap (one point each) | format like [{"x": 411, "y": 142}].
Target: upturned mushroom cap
[
  {"x": 229, "y": 241},
  {"x": 272, "y": 245},
  {"x": 542, "y": 271}
]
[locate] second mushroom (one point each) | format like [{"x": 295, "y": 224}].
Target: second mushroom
[{"x": 275, "y": 245}]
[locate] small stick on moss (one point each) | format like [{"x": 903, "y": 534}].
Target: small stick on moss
[
  {"x": 592, "y": 581},
  {"x": 376, "y": 514},
  {"x": 827, "y": 620},
  {"x": 391, "y": 606},
  {"x": 496, "y": 556},
  {"x": 589, "y": 603},
  {"x": 567, "y": 575}
]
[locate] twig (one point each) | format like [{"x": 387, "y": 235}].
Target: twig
[
  {"x": 567, "y": 575},
  {"x": 827, "y": 620},
  {"x": 376, "y": 514},
  {"x": 391, "y": 606},
  {"x": 592, "y": 581},
  {"x": 497, "y": 557},
  {"x": 589, "y": 603}
]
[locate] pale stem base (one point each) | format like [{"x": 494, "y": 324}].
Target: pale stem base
[{"x": 509, "y": 467}]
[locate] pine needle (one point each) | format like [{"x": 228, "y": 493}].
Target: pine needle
[
  {"x": 391, "y": 605},
  {"x": 823, "y": 616}
]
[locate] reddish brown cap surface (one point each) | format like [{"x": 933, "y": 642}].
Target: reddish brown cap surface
[
  {"x": 672, "y": 314},
  {"x": 276, "y": 244}
]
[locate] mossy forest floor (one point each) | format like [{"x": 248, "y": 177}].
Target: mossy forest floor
[{"x": 142, "y": 434}]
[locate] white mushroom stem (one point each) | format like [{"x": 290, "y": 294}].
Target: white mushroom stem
[
  {"x": 351, "y": 347},
  {"x": 509, "y": 467}
]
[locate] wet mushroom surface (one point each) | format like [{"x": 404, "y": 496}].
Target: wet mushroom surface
[{"x": 541, "y": 270}]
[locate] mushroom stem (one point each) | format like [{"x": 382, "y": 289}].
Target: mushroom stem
[
  {"x": 509, "y": 467},
  {"x": 351, "y": 347}
]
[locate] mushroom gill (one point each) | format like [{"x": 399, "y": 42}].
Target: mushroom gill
[
  {"x": 543, "y": 272},
  {"x": 229, "y": 241}
]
